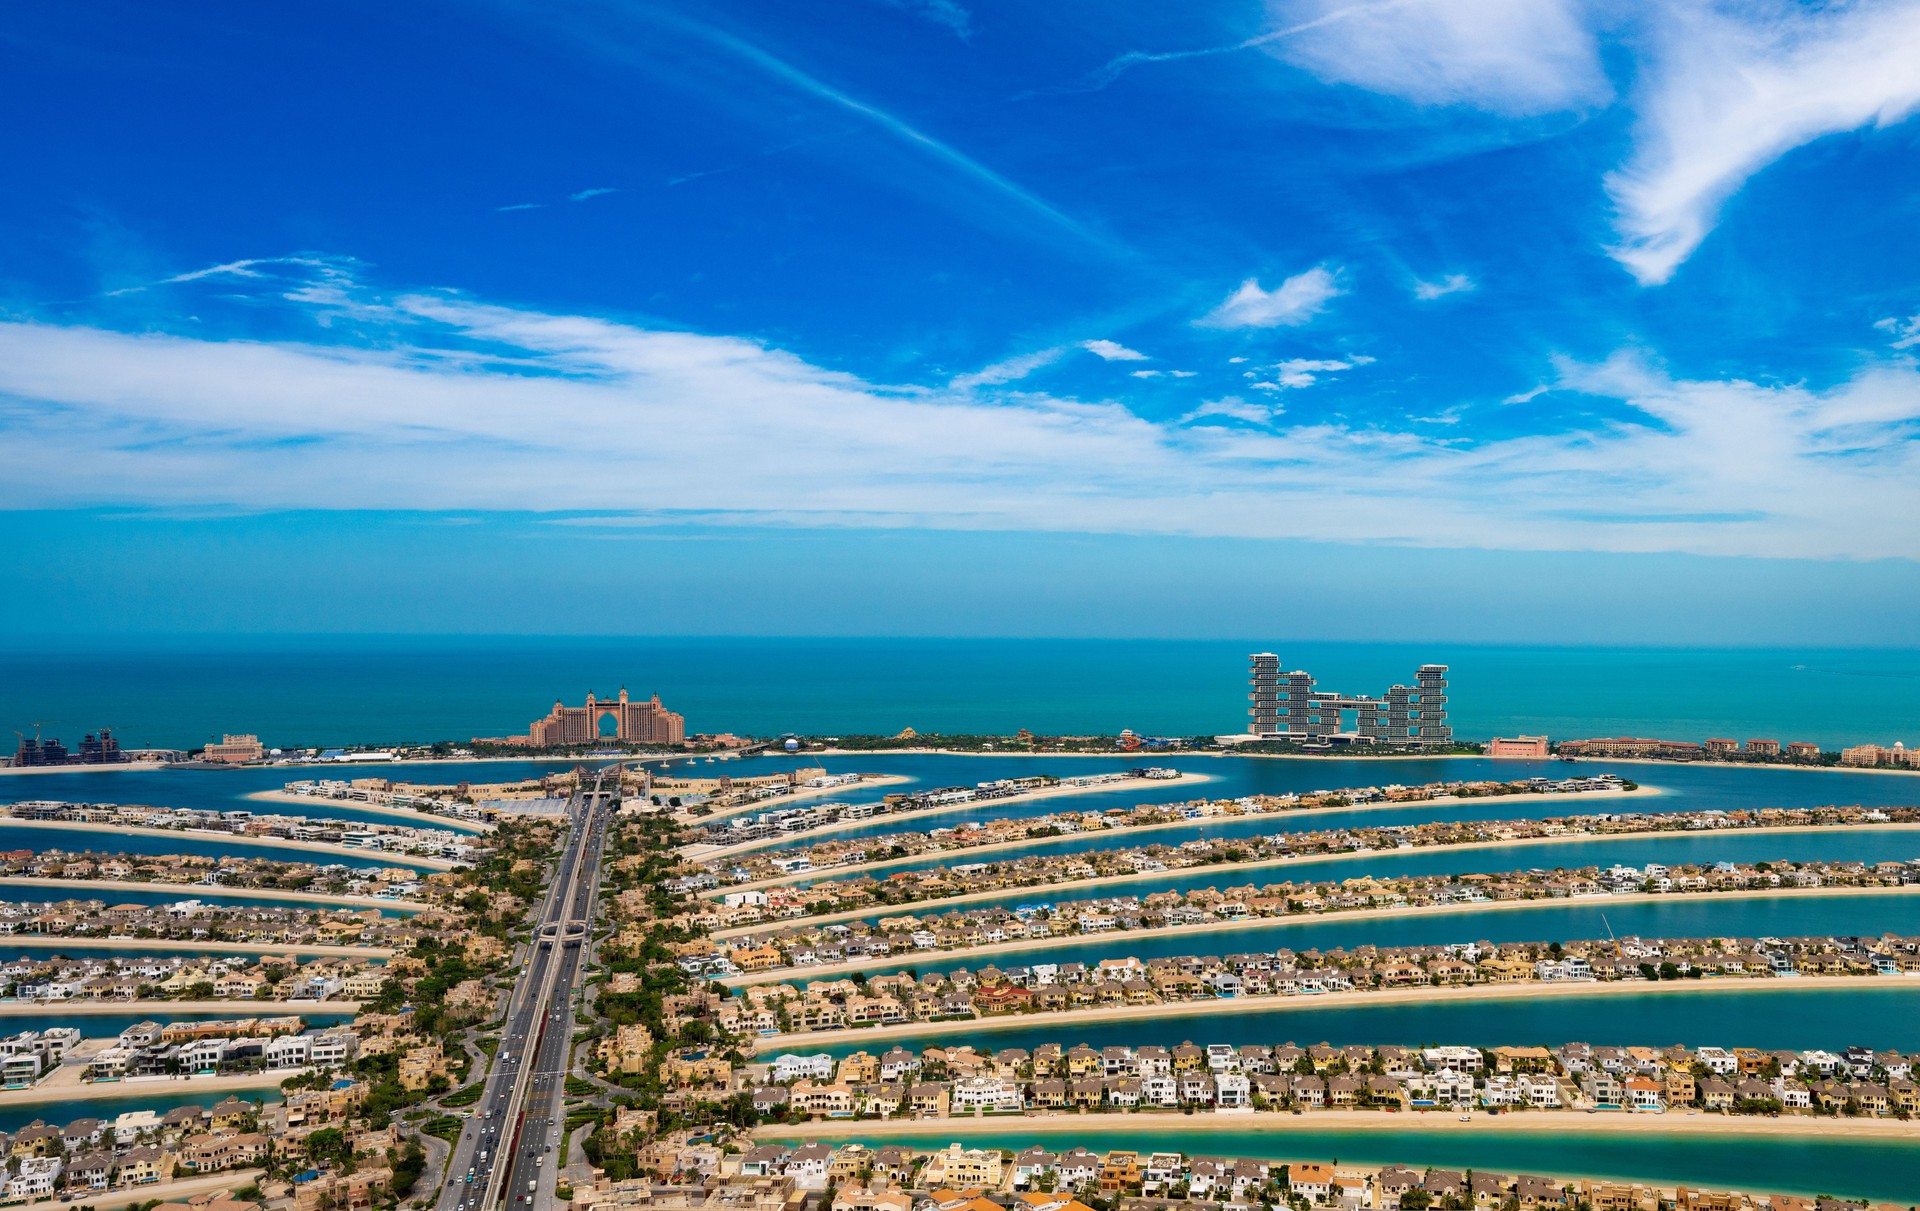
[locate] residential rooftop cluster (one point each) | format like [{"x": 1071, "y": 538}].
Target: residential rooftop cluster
[
  {"x": 706, "y": 1175},
  {"x": 394, "y": 838},
  {"x": 736, "y": 909},
  {"x": 194, "y": 921},
  {"x": 827, "y": 854},
  {"x": 1224, "y": 1078},
  {"x": 778, "y": 1008},
  {"x": 207, "y": 870},
  {"x": 181, "y": 977},
  {"x": 796, "y": 821},
  {"x": 802, "y": 945}
]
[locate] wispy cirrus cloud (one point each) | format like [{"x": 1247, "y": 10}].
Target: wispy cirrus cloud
[
  {"x": 898, "y": 128},
  {"x": 584, "y": 195},
  {"x": 1009, "y": 369},
  {"x": 1297, "y": 372},
  {"x": 1112, "y": 351},
  {"x": 1510, "y": 57},
  {"x": 1905, "y": 332},
  {"x": 1453, "y": 283},
  {"x": 251, "y": 268},
  {"x": 1730, "y": 91},
  {"x": 1294, "y": 301},
  {"x": 447, "y": 404}
]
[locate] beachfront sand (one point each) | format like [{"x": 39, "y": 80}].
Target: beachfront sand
[
  {"x": 62, "y": 942},
  {"x": 208, "y": 834},
  {"x": 64, "y": 1085},
  {"x": 236, "y": 1009},
  {"x": 1055, "y": 792},
  {"x": 1675, "y": 1122},
  {"x": 187, "y": 891},
  {"x": 1226, "y": 869},
  {"x": 967, "y": 854},
  {"x": 969, "y": 956},
  {"x": 116, "y": 767},
  {"x": 1068, "y": 1020}
]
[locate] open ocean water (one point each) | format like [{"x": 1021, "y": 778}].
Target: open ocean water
[{"x": 306, "y": 690}]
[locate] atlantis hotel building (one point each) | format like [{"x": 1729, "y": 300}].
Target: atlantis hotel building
[{"x": 1287, "y": 707}]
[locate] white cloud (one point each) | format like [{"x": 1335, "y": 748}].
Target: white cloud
[
  {"x": 1236, "y": 408},
  {"x": 254, "y": 267},
  {"x": 521, "y": 206},
  {"x": 1905, "y": 333},
  {"x": 585, "y": 194},
  {"x": 1294, "y": 301},
  {"x": 1453, "y": 283},
  {"x": 454, "y": 406},
  {"x": 1112, "y": 351},
  {"x": 1148, "y": 373},
  {"x": 1306, "y": 371},
  {"x": 1182, "y": 373},
  {"x": 1016, "y": 367},
  {"x": 1513, "y": 57},
  {"x": 1728, "y": 94},
  {"x": 1527, "y": 397}
]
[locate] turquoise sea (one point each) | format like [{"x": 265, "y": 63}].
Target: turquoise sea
[
  {"x": 157, "y": 1096},
  {"x": 106, "y": 840},
  {"x": 13, "y": 894},
  {"x": 1694, "y": 916},
  {"x": 1857, "y": 1168},
  {"x": 312, "y": 690},
  {"x": 1883, "y": 1013},
  {"x": 1684, "y": 787}
]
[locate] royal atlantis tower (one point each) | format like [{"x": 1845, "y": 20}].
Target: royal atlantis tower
[{"x": 1286, "y": 706}]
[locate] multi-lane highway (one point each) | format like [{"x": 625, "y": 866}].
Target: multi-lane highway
[{"x": 508, "y": 1151}]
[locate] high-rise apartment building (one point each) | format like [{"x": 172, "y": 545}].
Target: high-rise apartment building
[{"x": 1286, "y": 706}]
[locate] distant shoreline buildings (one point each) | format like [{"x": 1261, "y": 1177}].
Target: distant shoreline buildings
[
  {"x": 635, "y": 722},
  {"x": 95, "y": 749},
  {"x": 1286, "y": 706}
]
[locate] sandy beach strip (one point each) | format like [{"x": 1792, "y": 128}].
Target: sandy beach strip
[
  {"x": 867, "y": 782},
  {"x": 951, "y": 857},
  {"x": 840, "y": 826},
  {"x": 209, "y": 834},
  {"x": 60, "y": 1091},
  {"x": 1068, "y": 1020},
  {"x": 1229, "y": 869},
  {"x": 113, "y": 768},
  {"x": 318, "y": 950},
  {"x": 969, "y": 956},
  {"x": 161, "y": 1009},
  {"x": 319, "y": 803},
  {"x": 1557, "y": 1122},
  {"x": 189, "y": 891}
]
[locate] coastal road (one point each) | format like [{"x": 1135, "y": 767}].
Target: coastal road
[{"x": 501, "y": 1157}]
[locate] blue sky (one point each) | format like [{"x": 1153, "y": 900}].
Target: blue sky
[{"x": 1511, "y": 298}]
